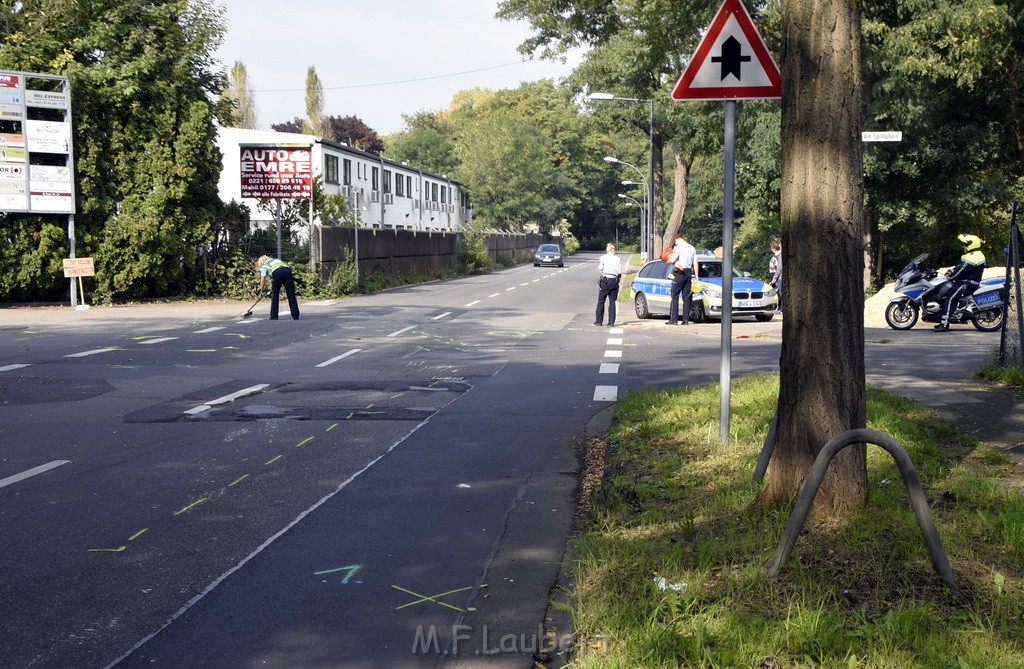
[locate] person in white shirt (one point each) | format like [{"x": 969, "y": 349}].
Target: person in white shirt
[
  {"x": 684, "y": 270},
  {"x": 609, "y": 269}
]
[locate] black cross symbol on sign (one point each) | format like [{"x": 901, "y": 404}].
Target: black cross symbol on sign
[{"x": 731, "y": 59}]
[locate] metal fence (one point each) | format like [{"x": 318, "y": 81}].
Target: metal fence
[{"x": 1011, "y": 345}]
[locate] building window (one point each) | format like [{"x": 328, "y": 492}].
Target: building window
[
  {"x": 331, "y": 169},
  {"x": 346, "y": 166},
  {"x": 408, "y": 186},
  {"x": 375, "y": 181},
  {"x": 387, "y": 181},
  {"x": 399, "y": 185},
  {"x": 444, "y": 195},
  {"x": 433, "y": 192}
]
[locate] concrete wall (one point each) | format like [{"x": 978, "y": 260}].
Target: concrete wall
[{"x": 409, "y": 252}]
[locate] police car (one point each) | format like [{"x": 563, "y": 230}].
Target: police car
[{"x": 652, "y": 288}]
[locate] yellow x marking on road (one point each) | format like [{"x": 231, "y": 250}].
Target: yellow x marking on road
[{"x": 430, "y": 598}]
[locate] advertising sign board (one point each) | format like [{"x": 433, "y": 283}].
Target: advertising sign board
[{"x": 276, "y": 172}]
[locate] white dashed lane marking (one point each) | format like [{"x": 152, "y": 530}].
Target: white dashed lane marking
[{"x": 339, "y": 357}]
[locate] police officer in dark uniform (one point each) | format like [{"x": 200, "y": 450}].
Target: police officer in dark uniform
[
  {"x": 965, "y": 277},
  {"x": 280, "y": 274}
]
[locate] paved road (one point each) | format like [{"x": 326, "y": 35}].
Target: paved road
[{"x": 387, "y": 482}]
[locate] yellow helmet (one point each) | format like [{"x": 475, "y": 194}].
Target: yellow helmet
[{"x": 972, "y": 242}]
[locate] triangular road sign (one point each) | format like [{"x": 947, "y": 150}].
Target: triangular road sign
[{"x": 731, "y": 61}]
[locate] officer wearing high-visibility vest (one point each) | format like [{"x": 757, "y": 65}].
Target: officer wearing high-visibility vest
[
  {"x": 965, "y": 277},
  {"x": 280, "y": 274}
]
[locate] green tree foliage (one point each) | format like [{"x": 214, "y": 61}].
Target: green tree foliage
[
  {"x": 427, "y": 142},
  {"x": 240, "y": 95},
  {"x": 527, "y": 155},
  {"x": 949, "y": 76},
  {"x": 142, "y": 77},
  {"x": 314, "y": 122}
]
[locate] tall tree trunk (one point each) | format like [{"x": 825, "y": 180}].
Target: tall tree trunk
[
  {"x": 821, "y": 390},
  {"x": 682, "y": 192},
  {"x": 658, "y": 213}
]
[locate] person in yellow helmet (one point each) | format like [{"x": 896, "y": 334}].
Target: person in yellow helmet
[
  {"x": 965, "y": 277},
  {"x": 280, "y": 274}
]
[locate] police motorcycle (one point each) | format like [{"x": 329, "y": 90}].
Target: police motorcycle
[{"x": 923, "y": 291}]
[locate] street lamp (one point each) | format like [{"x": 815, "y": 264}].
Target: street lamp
[
  {"x": 645, "y": 233},
  {"x": 639, "y": 206},
  {"x": 650, "y": 167}
]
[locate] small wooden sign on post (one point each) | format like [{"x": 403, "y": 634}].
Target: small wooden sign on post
[{"x": 79, "y": 267}]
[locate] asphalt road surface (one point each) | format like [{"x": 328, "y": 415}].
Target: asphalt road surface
[{"x": 388, "y": 481}]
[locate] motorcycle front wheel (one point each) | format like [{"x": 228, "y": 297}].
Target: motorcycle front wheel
[
  {"x": 989, "y": 320},
  {"x": 901, "y": 315}
]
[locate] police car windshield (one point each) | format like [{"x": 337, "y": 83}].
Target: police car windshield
[{"x": 710, "y": 270}]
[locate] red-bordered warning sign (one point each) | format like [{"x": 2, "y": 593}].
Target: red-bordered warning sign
[{"x": 731, "y": 62}]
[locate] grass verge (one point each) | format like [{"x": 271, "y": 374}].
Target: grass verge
[{"x": 671, "y": 563}]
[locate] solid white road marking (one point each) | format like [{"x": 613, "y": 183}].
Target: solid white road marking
[
  {"x": 11, "y": 368},
  {"x": 606, "y": 393},
  {"x": 609, "y": 368},
  {"x": 510, "y": 288},
  {"x": 214, "y": 329},
  {"x": 614, "y": 341},
  {"x": 613, "y": 354},
  {"x": 473, "y": 303},
  {"x": 395, "y": 334},
  {"x": 227, "y": 398},
  {"x": 32, "y": 472},
  {"x": 85, "y": 353},
  {"x": 340, "y": 357},
  {"x": 494, "y": 294},
  {"x": 440, "y": 316},
  {"x": 158, "y": 340}
]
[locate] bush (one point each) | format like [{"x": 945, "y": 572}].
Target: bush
[{"x": 473, "y": 256}]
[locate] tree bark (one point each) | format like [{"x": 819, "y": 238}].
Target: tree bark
[
  {"x": 658, "y": 214},
  {"x": 682, "y": 193},
  {"x": 821, "y": 391}
]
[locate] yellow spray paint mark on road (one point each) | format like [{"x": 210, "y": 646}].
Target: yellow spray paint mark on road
[
  {"x": 119, "y": 549},
  {"x": 238, "y": 480},
  {"x": 430, "y": 598},
  {"x": 331, "y": 427},
  {"x": 138, "y": 534},
  {"x": 273, "y": 459},
  {"x": 349, "y": 416},
  {"x": 236, "y": 334},
  {"x": 201, "y": 350},
  {"x": 188, "y": 508},
  {"x": 304, "y": 441},
  {"x": 229, "y": 348}
]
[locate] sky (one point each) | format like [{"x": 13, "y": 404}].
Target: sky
[{"x": 361, "y": 47}]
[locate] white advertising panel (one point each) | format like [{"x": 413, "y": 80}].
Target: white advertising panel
[
  {"x": 48, "y": 136},
  {"x": 13, "y": 188},
  {"x": 46, "y": 99}
]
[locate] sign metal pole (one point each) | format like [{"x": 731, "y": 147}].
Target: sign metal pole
[{"x": 727, "y": 226}]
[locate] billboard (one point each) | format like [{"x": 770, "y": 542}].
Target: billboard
[
  {"x": 36, "y": 154},
  {"x": 282, "y": 172}
]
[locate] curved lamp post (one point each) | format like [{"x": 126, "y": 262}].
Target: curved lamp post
[{"x": 643, "y": 214}]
